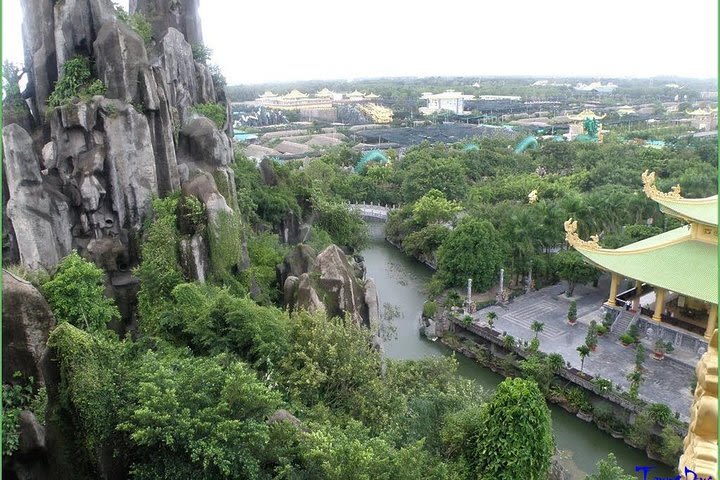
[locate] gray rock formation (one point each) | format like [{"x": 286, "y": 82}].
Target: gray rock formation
[
  {"x": 77, "y": 23},
  {"x": 328, "y": 282},
  {"x": 194, "y": 257},
  {"x": 27, "y": 321},
  {"x": 40, "y": 58},
  {"x": 165, "y": 14},
  {"x": 40, "y": 215}
]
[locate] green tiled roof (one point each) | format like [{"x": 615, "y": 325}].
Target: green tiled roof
[
  {"x": 671, "y": 260},
  {"x": 703, "y": 210}
]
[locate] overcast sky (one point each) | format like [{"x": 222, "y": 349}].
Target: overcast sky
[{"x": 281, "y": 40}]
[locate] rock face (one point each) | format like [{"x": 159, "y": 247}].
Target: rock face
[
  {"x": 84, "y": 179},
  {"x": 27, "y": 320},
  {"x": 328, "y": 282},
  {"x": 39, "y": 214},
  {"x": 165, "y": 14}
]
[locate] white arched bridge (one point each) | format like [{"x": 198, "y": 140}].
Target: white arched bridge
[{"x": 370, "y": 210}]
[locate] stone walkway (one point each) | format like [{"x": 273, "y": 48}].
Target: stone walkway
[{"x": 665, "y": 382}]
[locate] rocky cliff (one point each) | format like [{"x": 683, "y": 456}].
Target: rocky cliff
[{"x": 84, "y": 175}]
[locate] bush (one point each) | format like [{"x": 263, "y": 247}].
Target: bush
[
  {"x": 76, "y": 81},
  {"x": 515, "y": 435},
  {"x": 76, "y": 294},
  {"x": 627, "y": 339},
  {"x": 429, "y": 309},
  {"x": 214, "y": 111},
  {"x": 201, "y": 53},
  {"x": 660, "y": 413},
  {"x": 16, "y": 398},
  {"x": 572, "y": 312},
  {"x": 137, "y": 22}
]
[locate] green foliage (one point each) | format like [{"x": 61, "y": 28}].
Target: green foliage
[
  {"x": 671, "y": 445},
  {"x": 473, "y": 250},
  {"x": 660, "y": 413},
  {"x": 76, "y": 294},
  {"x": 191, "y": 215},
  {"x": 591, "y": 339},
  {"x": 626, "y": 338},
  {"x": 75, "y": 81},
  {"x": 429, "y": 309},
  {"x": 536, "y": 368},
  {"x": 200, "y": 415},
  {"x": 265, "y": 252},
  {"x": 537, "y": 327},
  {"x": 346, "y": 228},
  {"x": 583, "y": 350},
  {"x": 515, "y": 435},
  {"x": 572, "y": 268},
  {"x": 641, "y": 431},
  {"x": 608, "y": 469},
  {"x": 636, "y": 379},
  {"x": 433, "y": 207},
  {"x": 16, "y": 397},
  {"x": 214, "y": 111},
  {"x": 159, "y": 271},
  {"x": 201, "y": 53},
  {"x": 225, "y": 244},
  {"x": 137, "y": 22},
  {"x": 425, "y": 173},
  {"x": 640, "y": 355},
  {"x": 13, "y": 102},
  {"x": 572, "y": 312},
  {"x": 88, "y": 373}
]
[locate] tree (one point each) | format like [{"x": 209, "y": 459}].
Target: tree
[
  {"x": 473, "y": 250},
  {"x": 433, "y": 207},
  {"x": 583, "y": 350},
  {"x": 591, "y": 337},
  {"x": 515, "y": 435},
  {"x": 425, "y": 173},
  {"x": 556, "y": 362},
  {"x": 537, "y": 327},
  {"x": 571, "y": 267},
  {"x": 608, "y": 469},
  {"x": 76, "y": 294},
  {"x": 640, "y": 356},
  {"x": 572, "y": 312},
  {"x": 636, "y": 379}
]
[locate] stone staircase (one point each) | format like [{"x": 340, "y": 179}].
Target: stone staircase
[{"x": 622, "y": 323}]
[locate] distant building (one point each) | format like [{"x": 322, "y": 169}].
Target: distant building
[
  {"x": 449, "y": 100},
  {"x": 704, "y": 119},
  {"x": 377, "y": 113},
  {"x": 626, "y": 110},
  {"x": 295, "y": 100},
  {"x": 596, "y": 87},
  {"x": 577, "y": 127}
]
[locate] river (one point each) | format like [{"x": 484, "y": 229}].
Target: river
[{"x": 401, "y": 282}]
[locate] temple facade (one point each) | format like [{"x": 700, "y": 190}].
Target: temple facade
[{"x": 672, "y": 276}]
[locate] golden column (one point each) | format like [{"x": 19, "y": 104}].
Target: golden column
[
  {"x": 659, "y": 304},
  {"x": 614, "y": 282},
  {"x": 638, "y": 294},
  {"x": 701, "y": 443},
  {"x": 712, "y": 321}
]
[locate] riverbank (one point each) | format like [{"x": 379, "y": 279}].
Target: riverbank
[
  {"x": 591, "y": 401},
  {"x": 402, "y": 286}
]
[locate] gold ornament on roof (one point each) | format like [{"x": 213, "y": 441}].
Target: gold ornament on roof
[
  {"x": 648, "y": 179},
  {"x": 700, "y": 446},
  {"x": 572, "y": 238}
]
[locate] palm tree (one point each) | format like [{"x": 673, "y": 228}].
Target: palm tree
[
  {"x": 584, "y": 351},
  {"x": 556, "y": 362},
  {"x": 537, "y": 327},
  {"x": 491, "y": 316}
]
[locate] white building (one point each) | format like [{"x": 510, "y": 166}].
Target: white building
[{"x": 449, "y": 100}]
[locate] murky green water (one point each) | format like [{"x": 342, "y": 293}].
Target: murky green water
[{"x": 401, "y": 283}]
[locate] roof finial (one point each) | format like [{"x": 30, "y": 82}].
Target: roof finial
[
  {"x": 572, "y": 238},
  {"x": 648, "y": 179}
]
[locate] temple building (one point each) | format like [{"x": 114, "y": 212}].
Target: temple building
[
  {"x": 449, "y": 100},
  {"x": 673, "y": 276},
  {"x": 295, "y": 100},
  {"x": 704, "y": 119}
]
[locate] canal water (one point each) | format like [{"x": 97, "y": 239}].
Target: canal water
[{"x": 401, "y": 283}]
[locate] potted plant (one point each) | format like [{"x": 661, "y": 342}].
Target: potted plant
[
  {"x": 591, "y": 337},
  {"x": 572, "y": 313},
  {"x": 467, "y": 321},
  {"x": 601, "y": 330},
  {"x": 661, "y": 348},
  {"x": 626, "y": 339}
]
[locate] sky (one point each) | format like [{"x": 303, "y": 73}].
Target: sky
[{"x": 281, "y": 40}]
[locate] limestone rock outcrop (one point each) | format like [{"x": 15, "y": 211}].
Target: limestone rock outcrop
[
  {"x": 165, "y": 14},
  {"x": 27, "y": 321},
  {"x": 328, "y": 282}
]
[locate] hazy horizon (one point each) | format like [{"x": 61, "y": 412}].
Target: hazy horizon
[{"x": 279, "y": 42}]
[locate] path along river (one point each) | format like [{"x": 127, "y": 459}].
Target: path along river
[{"x": 401, "y": 283}]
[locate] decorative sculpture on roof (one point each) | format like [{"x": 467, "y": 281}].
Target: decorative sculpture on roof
[
  {"x": 648, "y": 179},
  {"x": 533, "y": 197},
  {"x": 572, "y": 238}
]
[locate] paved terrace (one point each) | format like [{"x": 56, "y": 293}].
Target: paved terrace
[{"x": 666, "y": 381}]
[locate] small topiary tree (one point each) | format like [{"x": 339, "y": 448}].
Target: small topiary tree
[
  {"x": 572, "y": 312},
  {"x": 76, "y": 294},
  {"x": 591, "y": 337},
  {"x": 515, "y": 435}
]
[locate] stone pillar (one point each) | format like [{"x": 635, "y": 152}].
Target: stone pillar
[
  {"x": 638, "y": 293},
  {"x": 614, "y": 282},
  {"x": 659, "y": 304},
  {"x": 712, "y": 321}
]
